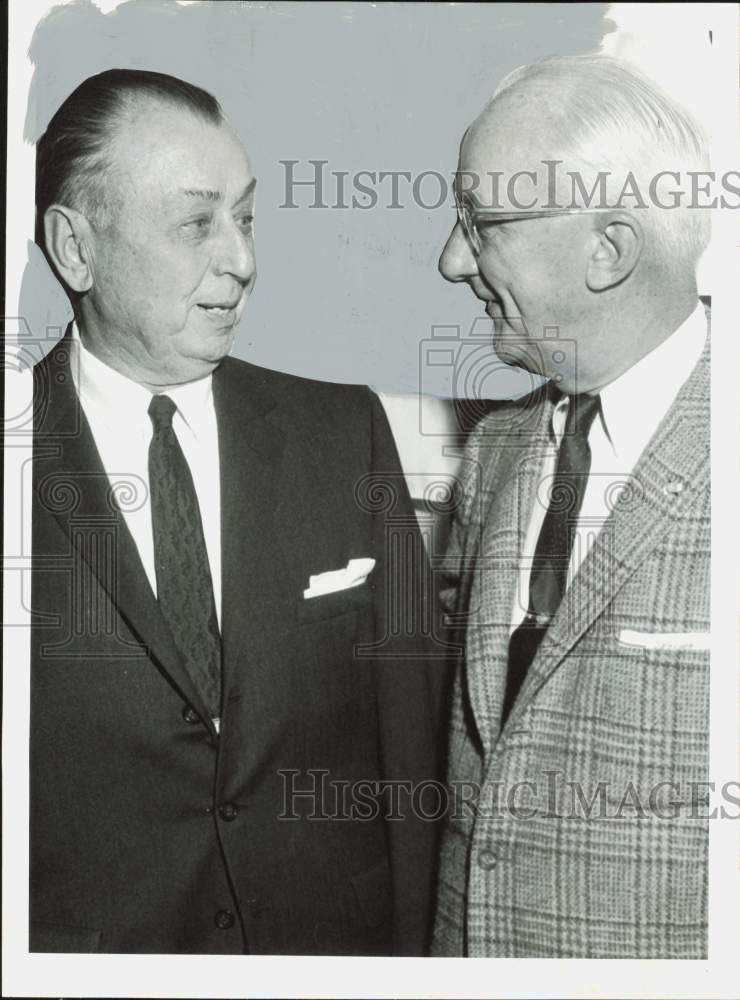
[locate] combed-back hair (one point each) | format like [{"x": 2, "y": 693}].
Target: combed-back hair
[
  {"x": 72, "y": 156},
  {"x": 607, "y": 115}
]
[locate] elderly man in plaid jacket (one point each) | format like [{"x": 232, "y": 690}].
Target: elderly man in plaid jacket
[{"x": 579, "y": 557}]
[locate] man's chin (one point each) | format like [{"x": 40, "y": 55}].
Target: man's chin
[
  {"x": 198, "y": 363},
  {"x": 205, "y": 363},
  {"x": 516, "y": 351},
  {"x": 211, "y": 348}
]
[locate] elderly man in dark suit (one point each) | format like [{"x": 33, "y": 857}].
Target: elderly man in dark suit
[{"x": 222, "y": 691}]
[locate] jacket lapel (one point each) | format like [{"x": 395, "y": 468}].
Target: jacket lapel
[
  {"x": 251, "y": 452},
  {"x": 509, "y": 490},
  {"x": 669, "y": 480},
  {"x": 73, "y": 486}
]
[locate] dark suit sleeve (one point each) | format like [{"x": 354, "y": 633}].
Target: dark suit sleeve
[{"x": 413, "y": 669}]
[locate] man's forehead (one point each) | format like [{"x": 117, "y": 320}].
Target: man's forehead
[
  {"x": 503, "y": 143},
  {"x": 146, "y": 122},
  {"x": 498, "y": 136},
  {"x": 171, "y": 148}
]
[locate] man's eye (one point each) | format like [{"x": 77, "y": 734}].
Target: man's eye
[
  {"x": 198, "y": 226},
  {"x": 245, "y": 221}
]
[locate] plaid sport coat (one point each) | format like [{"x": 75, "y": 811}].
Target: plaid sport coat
[{"x": 580, "y": 828}]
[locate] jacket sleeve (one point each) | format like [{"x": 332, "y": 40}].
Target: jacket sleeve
[{"x": 414, "y": 669}]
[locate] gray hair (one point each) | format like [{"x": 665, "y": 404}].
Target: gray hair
[{"x": 611, "y": 117}]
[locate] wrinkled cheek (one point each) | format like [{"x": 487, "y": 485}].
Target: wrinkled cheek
[{"x": 514, "y": 310}]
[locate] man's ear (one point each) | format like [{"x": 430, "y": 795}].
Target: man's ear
[
  {"x": 618, "y": 250},
  {"x": 67, "y": 234}
]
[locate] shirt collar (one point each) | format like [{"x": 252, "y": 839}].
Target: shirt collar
[
  {"x": 633, "y": 405},
  {"x": 194, "y": 401},
  {"x": 118, "y": 401}
]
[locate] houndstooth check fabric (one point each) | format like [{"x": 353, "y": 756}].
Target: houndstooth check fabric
[
  {"x": 579, "y": 830},
  {"x": 184, "y": 585}
]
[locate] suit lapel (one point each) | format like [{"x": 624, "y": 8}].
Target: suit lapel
[
  {"x": 251, "y": 448},
  {"x": 504, "y": 519},
  {"x": 73, "y": 486},
  {"x": 671, "y": 474}
]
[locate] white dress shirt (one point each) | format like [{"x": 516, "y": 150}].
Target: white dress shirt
[
  {"x": 116, "y": 410},
  {"x": 632, "y": 407}
]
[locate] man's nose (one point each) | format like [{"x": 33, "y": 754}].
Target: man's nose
[
  {"x": 235, "y": 253},
  {"x": 457, "y": 262}
]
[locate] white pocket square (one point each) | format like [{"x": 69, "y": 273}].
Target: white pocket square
[
  {"x": 665, "y": 640},
  {"x": 354, "y": 573}
]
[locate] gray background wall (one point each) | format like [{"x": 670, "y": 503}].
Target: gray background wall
[{"x": 346, "y": 295}]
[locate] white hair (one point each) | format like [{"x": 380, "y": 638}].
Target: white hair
[{"x": 606, "y": 115}]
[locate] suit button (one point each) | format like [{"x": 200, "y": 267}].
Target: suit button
[
  {"x": 486, "y": 859},
  {"x": 190, "y": 715},
  {"x": 224, "y": 920},
  {"x": 228, "y": 811}
]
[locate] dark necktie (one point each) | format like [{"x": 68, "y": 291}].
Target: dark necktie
[
  {"x": 184, "y": 586},
  {"x": 549, "y": 573}
]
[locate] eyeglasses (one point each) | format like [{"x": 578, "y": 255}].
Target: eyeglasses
[{"x": 470, "y": 216}]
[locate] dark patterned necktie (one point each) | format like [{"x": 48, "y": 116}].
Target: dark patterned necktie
[
  {"x": 549, "y": 573},
  {"x": 184, "y": 586}
]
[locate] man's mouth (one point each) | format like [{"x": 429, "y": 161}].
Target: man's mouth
[
  {"x": 219, "y": 310},
  {"x": 493, "y": 307},
  {"x": 221, "y": 307}
]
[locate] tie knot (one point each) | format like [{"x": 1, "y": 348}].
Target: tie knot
[
  {"x": 582, "y": 410},
  {"x": 161, "y": 411}
]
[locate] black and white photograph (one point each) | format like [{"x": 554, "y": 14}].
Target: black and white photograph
[{"x": 381, "y": 613}]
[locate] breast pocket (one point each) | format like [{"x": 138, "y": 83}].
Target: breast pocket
[
  {"x": 341, "y": 602},
  {"x": 335, "y": 685}
]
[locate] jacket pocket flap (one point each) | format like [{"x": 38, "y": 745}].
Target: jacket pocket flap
[
  {"x": 665, "y": 640},
  {"x": 62, "y": 937}
]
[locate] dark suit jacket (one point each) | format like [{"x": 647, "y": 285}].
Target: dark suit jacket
[{"x": 148, "y": 832}]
